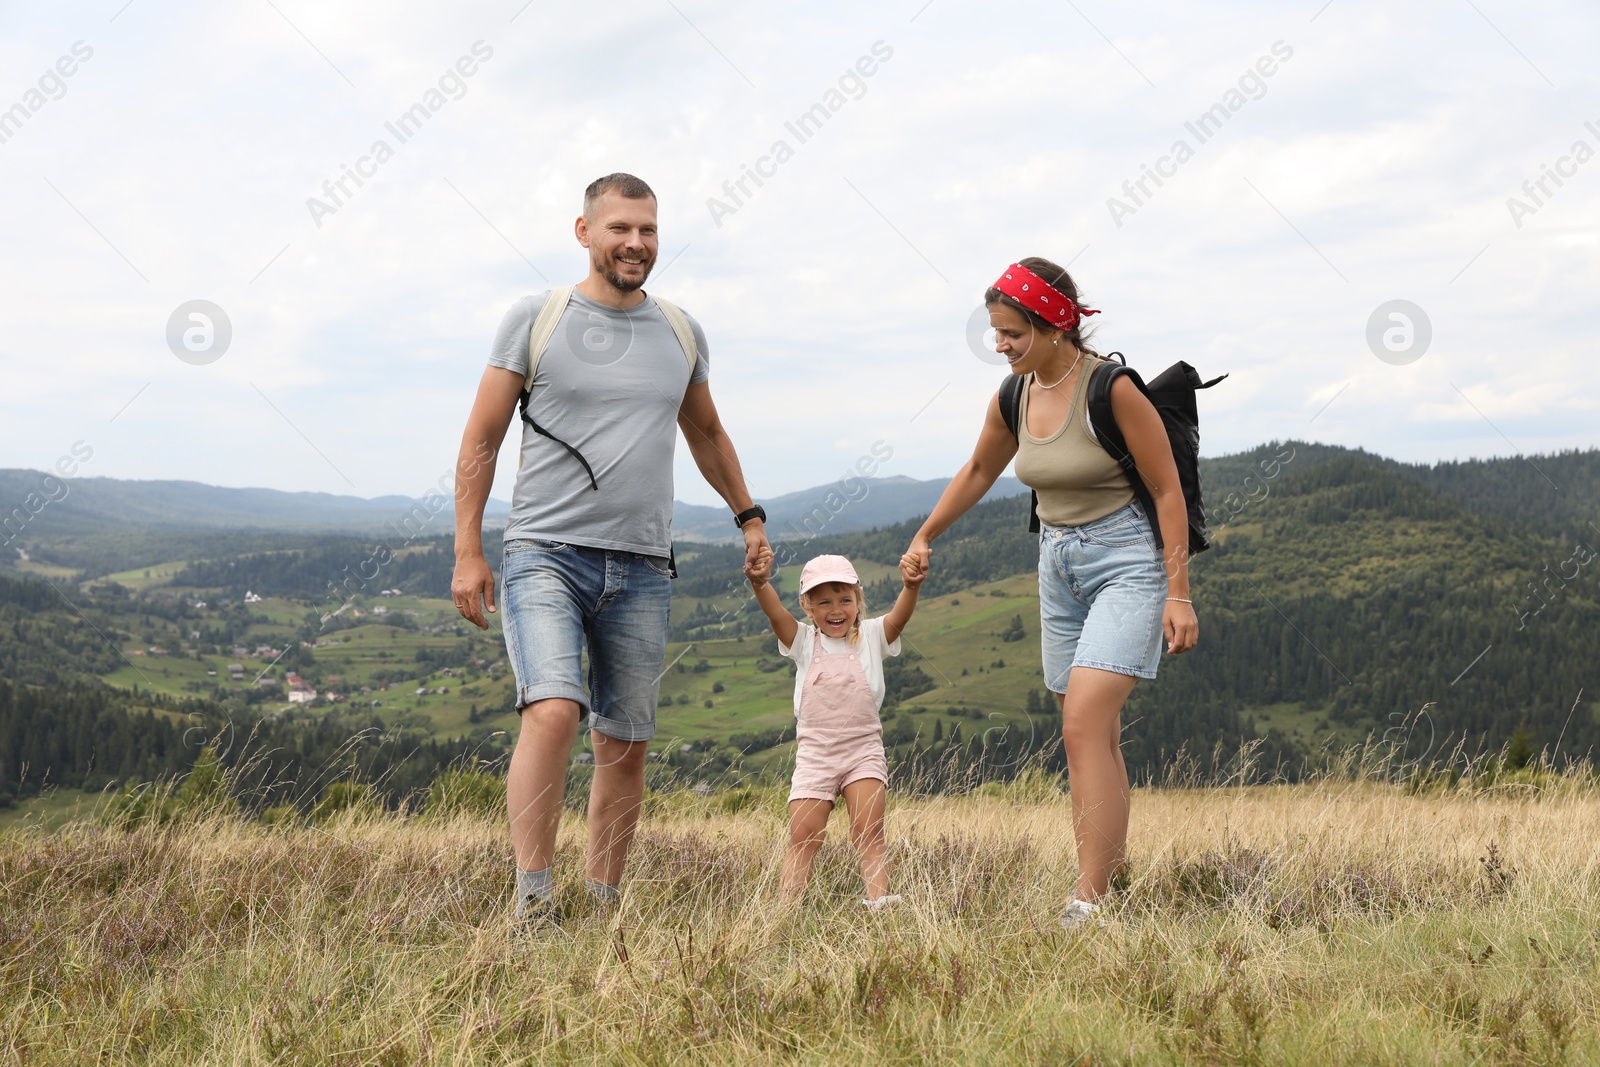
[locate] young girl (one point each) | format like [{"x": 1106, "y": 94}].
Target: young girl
[{"x": 837, "y": 696}]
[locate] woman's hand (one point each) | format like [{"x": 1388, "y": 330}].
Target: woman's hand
[
  {"x": 912, "y": 573},
  {"x": 1182, "y": 627},
  {"x": 917, "y": 561}
]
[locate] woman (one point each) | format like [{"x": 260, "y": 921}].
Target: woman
[{"x": 1106, "y": 595}]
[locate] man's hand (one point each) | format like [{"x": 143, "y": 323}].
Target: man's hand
[
  {"x": 759, "y": 571},
  {"x": 472, "y": 587},
  {"x": 755, "y": 543}
]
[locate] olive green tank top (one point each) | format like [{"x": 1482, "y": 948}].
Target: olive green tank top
[{"x": 1076, "y": 480}]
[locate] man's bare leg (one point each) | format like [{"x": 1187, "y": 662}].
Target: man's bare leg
[
  {"x": 615, "y": 797},
  {"x": 537, "y": 780}
]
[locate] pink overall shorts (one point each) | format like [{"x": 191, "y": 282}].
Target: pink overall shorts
[{"x": 840, "y": 735}]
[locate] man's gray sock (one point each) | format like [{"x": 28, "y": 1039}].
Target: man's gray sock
[
  {"x": 606, "y": 894},
  {"x": 534, "y": 886}
]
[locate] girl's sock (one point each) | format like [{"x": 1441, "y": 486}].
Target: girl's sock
[
  {"x": 605, "y": 894},
  {"x": 534, "y": 887},
  {"x": 885, "y": 901}
]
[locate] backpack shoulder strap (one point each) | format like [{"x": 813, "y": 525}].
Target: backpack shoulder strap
[
  {"x": 1102, "y": 420},
  {"x": 544, "y": 328},
  {"x": 1011, "y": 410},
  {"x": 1011, "y": 401},
  {"x": 680, "y": 326}
]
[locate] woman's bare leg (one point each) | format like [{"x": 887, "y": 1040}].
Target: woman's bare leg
[
  {"x": 1091, "y": 730},
  {"x": 808, "y": 823},
  {"x": 865, "y": 798}
]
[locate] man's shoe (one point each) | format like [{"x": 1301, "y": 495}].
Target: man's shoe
[{"x": 539, "y": 914}]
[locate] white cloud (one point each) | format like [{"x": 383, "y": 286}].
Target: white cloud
[{"x": 194, "y": 135}]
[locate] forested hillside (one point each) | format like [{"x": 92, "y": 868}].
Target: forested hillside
[
  {"x": 90, "y": 737},
  {"x": 1346, "y": 597}
]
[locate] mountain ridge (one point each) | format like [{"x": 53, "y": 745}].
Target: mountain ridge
[{"x": 1554, "y": 493}]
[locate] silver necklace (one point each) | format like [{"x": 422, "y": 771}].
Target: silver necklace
[{"x": 1061, "y": 379}]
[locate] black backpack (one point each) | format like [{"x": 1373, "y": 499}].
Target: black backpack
[{"x": 1172, "y": 393}]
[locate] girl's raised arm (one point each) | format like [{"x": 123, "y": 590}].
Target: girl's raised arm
[
  {"x": 784, "y": 625},
  {"x": 894, "y": 623}
]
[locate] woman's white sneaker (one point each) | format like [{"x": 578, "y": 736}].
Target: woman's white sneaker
[
  {"x": 1081, "y": 914},
  {"x": 886, "y": 901}
]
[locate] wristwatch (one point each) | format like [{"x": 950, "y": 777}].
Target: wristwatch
[{"x": 757, "y": 512}]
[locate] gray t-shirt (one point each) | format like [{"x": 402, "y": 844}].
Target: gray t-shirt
[{"x": 609, "y": 384}]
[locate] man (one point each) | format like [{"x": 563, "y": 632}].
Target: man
[{"x": 588, "y": 544}]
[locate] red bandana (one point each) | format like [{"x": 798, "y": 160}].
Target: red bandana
[{"x": 1040, "y": 297}]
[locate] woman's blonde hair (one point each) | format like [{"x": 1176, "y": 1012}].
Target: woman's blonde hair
[{"x": 860, "y": 596}]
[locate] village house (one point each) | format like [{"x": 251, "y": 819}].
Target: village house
[{"x": 300, "y": 692}]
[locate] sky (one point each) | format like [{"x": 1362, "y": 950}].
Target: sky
[{"x": 1358, "y": 154}]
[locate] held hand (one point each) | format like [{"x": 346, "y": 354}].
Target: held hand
[
  {"x": 755, "y": 542},
  {"x": 1182, "y": 627},
  {"x": 917, "y": 560},
  {"x": 912, "y": 573},
  {"x": 759, "y": 570},
  {"x": 472, "y": 587}
]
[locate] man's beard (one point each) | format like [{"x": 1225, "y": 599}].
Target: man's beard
[{"x": 625, "y": 285}]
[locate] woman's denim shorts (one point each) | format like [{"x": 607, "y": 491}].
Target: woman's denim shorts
[{"x": 1102, "y": 589}]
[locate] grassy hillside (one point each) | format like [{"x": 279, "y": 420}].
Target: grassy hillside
[{"x": 1335, "y": 923}]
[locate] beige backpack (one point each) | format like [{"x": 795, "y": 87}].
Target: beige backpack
[{"x": 544, "y": 327}]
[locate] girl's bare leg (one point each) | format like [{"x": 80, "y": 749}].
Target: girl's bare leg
[
  {"x": 1091, "y": 730},
  {"x": 808, "y": 822},
  {"x": 865, "y": 798}
]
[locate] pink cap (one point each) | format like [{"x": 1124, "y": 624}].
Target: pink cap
[{"x": 825, "y": 569}]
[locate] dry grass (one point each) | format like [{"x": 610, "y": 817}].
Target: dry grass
[{"x": 1325, "y": 923}]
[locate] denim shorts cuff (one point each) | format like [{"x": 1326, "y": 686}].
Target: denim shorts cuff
[
  {"x": 527, "y": 694},
  {"x": 1132, "y": 672},
  {"x": 622, "y": 731}
]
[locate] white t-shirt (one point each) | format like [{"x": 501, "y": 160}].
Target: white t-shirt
[{"x": 872, "y": 649}]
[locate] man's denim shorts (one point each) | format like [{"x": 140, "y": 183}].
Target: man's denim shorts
[
  {"x": 556, "y": 598},
  {"x": 1102, "y": 590}
]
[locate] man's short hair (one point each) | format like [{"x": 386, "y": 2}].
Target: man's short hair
[{"x": 620, "y": 183}]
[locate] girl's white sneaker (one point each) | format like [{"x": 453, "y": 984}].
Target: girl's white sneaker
[
  {"x": 1081, "y": 914},
  {"x": 886, "y": 901}
]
